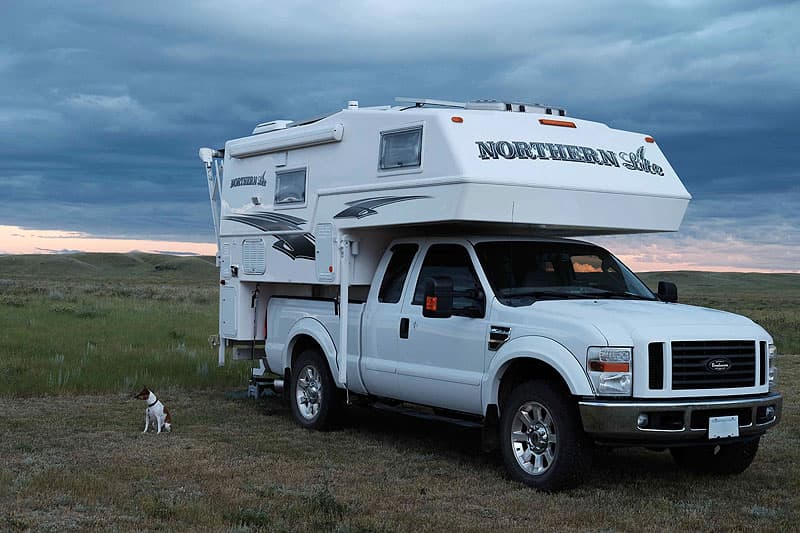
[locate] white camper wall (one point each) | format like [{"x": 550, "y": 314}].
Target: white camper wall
[{"x": 488, "y": 169}]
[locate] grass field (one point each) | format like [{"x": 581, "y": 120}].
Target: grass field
[{"x": 78, "y": 334}]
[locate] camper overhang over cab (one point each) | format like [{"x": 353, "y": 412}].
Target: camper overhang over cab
[{"x": 420, "y": 164}]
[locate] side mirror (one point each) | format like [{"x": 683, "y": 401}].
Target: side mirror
[
  {"x": 667, "y": 292},
  {"x": 438, "y": 301}
]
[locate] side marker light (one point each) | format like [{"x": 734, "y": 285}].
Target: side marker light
[{"x": 562, "y": 123}]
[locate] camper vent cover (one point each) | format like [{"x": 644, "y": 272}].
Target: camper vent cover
[
  {"x": 254, "y": 256},
  {"x": 265, "y": 127}
]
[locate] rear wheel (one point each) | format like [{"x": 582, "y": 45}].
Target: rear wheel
[
  {"x": 722, "y": 459},
  {"x": 541, "y": 437},
  {"x": 314, "y": 397}
]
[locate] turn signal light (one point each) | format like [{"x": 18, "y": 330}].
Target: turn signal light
[
  {"x": 649, "y": 139},
  {"x": 602, "y": 366},
  {"x": 457, "y": 120}
]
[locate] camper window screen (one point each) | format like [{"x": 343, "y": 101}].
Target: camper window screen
[
  {"x": 290, "y": 187},
  {"x": 401, "y": 149}
]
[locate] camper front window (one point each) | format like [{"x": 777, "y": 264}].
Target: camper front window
[
  {"x": 401, "y": 149},
  {"x": 290, "y": 187}
]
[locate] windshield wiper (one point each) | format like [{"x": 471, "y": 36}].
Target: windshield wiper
[
  {"x": 556, "y": 295},
  {"x": 620, "y": 294}
]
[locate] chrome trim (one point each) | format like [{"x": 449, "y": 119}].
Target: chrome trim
[{"x": 608, "y": 419}]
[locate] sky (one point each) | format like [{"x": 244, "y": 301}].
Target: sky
[{"x": 103, "y": 105}]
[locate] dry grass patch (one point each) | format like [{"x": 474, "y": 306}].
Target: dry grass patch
[{"x": 237, "y": 465}]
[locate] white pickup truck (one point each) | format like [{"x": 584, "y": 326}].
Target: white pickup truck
[{"x": 553, "y": 343}]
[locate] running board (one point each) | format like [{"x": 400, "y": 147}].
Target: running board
[{"x": 416, "y": 413}]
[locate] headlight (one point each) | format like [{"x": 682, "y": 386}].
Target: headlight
[
  {"x": 773, "y": 371},
  {"x": 609, "y": 369}
]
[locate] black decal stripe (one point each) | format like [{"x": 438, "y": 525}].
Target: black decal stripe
[
  {"x": 263, "y": 225},
  {"x": 269, "y": 221},
  {"x": 296, "y": 246},
  {"x": 280, "y": 217},
  {"x": 300, "y": 246},
  {"x": 367, "y": 207}
]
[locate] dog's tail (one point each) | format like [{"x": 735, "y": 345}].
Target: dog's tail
[{"x": 167, "y": 420}]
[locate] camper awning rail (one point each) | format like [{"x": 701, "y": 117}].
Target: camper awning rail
[{"x": 284, "y": 139}]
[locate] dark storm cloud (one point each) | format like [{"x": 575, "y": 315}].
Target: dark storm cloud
[{"x": 104, "y": 104}]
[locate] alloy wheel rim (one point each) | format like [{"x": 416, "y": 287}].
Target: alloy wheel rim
[
  {"x": 309, "y": 392},
  {"x": 534, "y": 438}
]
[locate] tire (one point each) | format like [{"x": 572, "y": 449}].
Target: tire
[
  {"x": 315, "y": 399},
  {"x": 541, "y": 437},
  {"x": 720, "y": 459}
]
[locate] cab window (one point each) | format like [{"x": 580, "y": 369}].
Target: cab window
[
  {"x": 453, "y": 261},
  {"x": 396, "y": 273}
]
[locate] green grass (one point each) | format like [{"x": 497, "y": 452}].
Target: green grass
[
  {"x": 77, "y": 340},
  {"x": 135, "y": 320},
  {"x": 92, "y": 323},
  {"x": 134, "y": 267}
]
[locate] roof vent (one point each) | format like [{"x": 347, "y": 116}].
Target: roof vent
[
  {"x": 518, "y": 107},
  {"x": 273, "y": 125},
  {"x": 488, "y": 105}
]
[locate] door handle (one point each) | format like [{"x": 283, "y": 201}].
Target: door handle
[{"x": 403, "y": 328}]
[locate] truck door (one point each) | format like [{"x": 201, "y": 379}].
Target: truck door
[
  {"x": 382, "y": 327},
  {"x": 442, "y": 360}
]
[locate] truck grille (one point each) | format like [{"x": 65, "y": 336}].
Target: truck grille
[{"x": 692, "y": 362}]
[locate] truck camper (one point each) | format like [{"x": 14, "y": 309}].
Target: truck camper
[{"x": 421, "y": 255}]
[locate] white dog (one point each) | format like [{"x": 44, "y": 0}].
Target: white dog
[{"x": 155, "y": 411}]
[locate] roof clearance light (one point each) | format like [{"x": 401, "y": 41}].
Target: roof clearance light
[
  {"x": 457, "y": 120},
  {"x": 649, "y": 139},
  {"x": 562, "y": 123}
]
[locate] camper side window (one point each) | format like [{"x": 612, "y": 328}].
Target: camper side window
[
  {"x": 396, "y": 273},
  {"x": 401, "y": 149},
  {"x": 290, "y": 187}
]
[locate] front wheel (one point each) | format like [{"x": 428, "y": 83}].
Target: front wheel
[
  {"x": 542, "y": 441},
  {"x": 314, "y": 397},
  {"x": 721, "y": 459}
]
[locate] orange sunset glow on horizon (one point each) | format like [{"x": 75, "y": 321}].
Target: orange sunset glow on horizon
[
  {"x": 640, "y": 253},
  {"x": 16, "y": 240}
]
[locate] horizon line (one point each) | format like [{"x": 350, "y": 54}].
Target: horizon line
[{"x": 15, "y": 240}]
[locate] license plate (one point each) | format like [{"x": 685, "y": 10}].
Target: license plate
[{"x": 721, "y": 427}]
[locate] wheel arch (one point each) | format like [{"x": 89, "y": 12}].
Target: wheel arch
[
  {"x": 526, "y": 358},
  {"x": 309, "y": 333}
]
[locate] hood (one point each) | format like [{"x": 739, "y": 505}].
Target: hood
[{"x": 622, "y": 322}]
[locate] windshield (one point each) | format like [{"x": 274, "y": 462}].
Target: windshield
[{"x": 521, "y": 272}]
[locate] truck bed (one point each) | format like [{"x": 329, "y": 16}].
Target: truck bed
[{"x": 287, "y": 316}]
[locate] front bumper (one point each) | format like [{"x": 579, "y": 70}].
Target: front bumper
[{"x": 675, "y": 422}]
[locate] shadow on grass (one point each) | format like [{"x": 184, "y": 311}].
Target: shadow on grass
[{"x": 612, "y": 467}]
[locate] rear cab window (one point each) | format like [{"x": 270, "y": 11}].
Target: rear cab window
[{"x": 396, "y": 273}]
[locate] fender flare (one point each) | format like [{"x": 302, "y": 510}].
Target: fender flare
[
  {"x": 541, "y": 349},
  {"x": 313, "y": 328}
]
